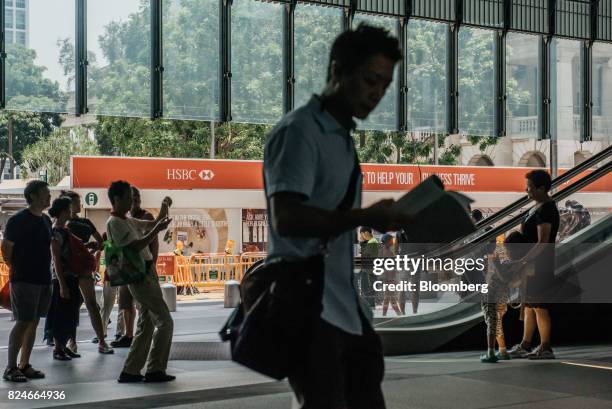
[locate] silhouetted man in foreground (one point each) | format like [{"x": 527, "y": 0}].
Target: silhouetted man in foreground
[{"x": 309, "y": 166}]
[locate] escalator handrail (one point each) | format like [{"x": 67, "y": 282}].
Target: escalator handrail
[
  {"x": 447, "y": 251},
  {"x": 556, "y": 182}
]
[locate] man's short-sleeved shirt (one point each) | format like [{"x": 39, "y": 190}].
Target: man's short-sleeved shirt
[
  {"x": 31, "y": 235},
  {"x": 125, "y": 230},
  {"x": 310, "y": 153}
]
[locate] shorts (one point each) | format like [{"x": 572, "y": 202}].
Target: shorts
[
  {"x": 30, "y": 302},
  {"x": 126, "y": 300}
]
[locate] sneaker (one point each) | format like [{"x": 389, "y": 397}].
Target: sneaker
[
  {"x": 488, "y": 359},
  {"x": 125, "y": 377},
  {"x": 123, "y": 342},
  {"x": 95, "y": 340},
  {"x": 518, "y": 352},
  {"x": 158, "y": 377},
  {"x": 540, "y": 353},
  {"x": 503, "y": 356},
  {"x": 118, "y": 337}
]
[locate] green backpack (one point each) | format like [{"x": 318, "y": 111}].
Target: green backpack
[{"x": 123, "y": 265}]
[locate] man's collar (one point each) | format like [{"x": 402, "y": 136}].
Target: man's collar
[{"x": 324, "y": 118}]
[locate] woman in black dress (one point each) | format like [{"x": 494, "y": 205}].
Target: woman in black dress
[
  {"x": 540, "y": 227},
  {"x": 63, "y": 314}
]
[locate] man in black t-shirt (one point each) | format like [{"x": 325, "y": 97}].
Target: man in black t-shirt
[{"x": 27, "y": 251}]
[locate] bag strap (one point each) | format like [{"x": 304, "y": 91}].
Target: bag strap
[{"x": 349, "y": 197}]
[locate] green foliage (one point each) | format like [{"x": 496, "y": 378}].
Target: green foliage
[
  {"x": 27, "y": 91},
  {"x": 52, "y": 153}
]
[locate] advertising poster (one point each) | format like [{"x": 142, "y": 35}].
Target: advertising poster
[{"x": 254, "y": 230}]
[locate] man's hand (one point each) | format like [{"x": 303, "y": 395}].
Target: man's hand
[{"x": 384, "y": 216}]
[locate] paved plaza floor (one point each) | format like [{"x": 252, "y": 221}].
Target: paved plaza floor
[{"x": 580, "y": 378}]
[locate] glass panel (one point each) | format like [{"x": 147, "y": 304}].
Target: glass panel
[
  {"x": 315, "y": 31},
  {"x": 191, "y": 59},
  {"x": 20, "y": 19},
  {"x": 119, "y": 52},
  {"x": 40, "y": 77},
  {"x": 257, "y": 62},
  {"x": 476, "y": 82},
  {"x": 522, "y": 85},
  {"x": 426, "y": 73},
  {"x": 566, "y": 89},
  {"x": 384, "y": 117},
  {"x": 8, "y": 18},
  {"x": 602, "y": 100},
  {"x": 20, "y": 37},
  {"x": 20, "y": 4}
]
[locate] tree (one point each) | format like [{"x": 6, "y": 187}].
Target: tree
[
  {"x": 27, "y": 92},
  {"x": 52, "y": 153}
]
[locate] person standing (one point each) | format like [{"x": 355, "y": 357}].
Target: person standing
[
  {"x": 540, "y": 228},
  {"x": 370, "y": 249},
  {"x": 85, "y": 230},
  {"x": 309, "y": 163},
  {"x": 63, "y": 316},
  {"x": 127, "y": 309},
  {"x": 153, "y": 338},
  {"x": 26, "y": 249}
]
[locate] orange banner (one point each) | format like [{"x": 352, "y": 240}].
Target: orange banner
[{"x": 188, "y": 174}]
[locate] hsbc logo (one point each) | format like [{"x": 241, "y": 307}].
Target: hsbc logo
[
  {"x": 190, "y": 174},
  {"x": 207, "y": 174}
]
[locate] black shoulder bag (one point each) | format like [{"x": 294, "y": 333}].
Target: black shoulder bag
[{"x": 280, "y": 302}]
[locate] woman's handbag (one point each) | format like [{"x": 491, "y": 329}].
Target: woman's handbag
[{"x": 123, "y": 265}]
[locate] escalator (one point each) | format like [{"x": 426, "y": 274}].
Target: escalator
[{"x": 579, "y": 257}]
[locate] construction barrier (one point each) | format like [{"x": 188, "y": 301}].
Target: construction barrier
[{"x": 212, "y": 269}]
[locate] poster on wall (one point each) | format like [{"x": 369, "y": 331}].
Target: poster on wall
[
  {"x": 254, "y": 230},
  {"x": 199, "y": 231}
]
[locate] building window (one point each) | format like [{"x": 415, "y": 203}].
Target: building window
[
  {"x": 8, "y": 36},
  {"x": 20, "y": 20},
  {"x": 20, "y": 37},
  {"x": 8, "y": 18},
  {"x": 20, "y": 4}
]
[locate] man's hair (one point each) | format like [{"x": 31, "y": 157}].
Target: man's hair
[
  {"x": 477, "y": 215},
  {"x": 365, "y": 229},
  {"x": 117, "y": 188},
  {"x": 135, "y": 190},
  {"x": 353, "y": 48},
  {"x": 33, "y": 188},
  {"x": 539, "y": 178}
]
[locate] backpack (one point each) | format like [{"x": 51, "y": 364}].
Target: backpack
[{"x": 79, "y": 260}]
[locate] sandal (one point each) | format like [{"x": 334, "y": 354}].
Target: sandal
[
  {"x": 105, "y": 349},
  {"x": 71, "y": 353},
  {"x": 32, "y": 373},
  {"x": 14, "y": 375},
  {"x": 61, "y": 356}
]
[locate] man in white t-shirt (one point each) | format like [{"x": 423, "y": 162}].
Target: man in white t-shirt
[{"x": 154, "y": 322}]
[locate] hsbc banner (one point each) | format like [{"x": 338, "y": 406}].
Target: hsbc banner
[{"x": 188, "y": 174}]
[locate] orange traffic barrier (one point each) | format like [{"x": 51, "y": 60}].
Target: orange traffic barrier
[
  {"x": 212, "y": 269},
  {"x": 4, "y": 274}
]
